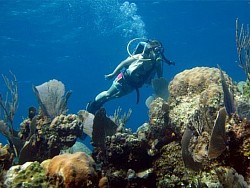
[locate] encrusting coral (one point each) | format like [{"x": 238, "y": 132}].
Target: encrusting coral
[{"x": 30, "y": 174}]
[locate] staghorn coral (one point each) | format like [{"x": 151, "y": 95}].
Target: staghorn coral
[
  {"x": 52, "y": 98},
  {"x": 71, "y": 171}
]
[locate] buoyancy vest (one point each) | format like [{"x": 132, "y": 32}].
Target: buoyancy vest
[{"x": 140, "y": 72}]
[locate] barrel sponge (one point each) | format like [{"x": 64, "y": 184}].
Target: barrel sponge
[{"x": 71, "y": 170}]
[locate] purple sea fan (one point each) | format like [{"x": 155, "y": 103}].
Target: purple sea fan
[{"x": 52, "y": 98}]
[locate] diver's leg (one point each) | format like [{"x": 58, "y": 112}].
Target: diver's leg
[
  {"x": 103, "y": 97},
  {"x": 110, "y": 94}
]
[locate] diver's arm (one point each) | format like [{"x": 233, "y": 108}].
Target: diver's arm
[{"x": 123, "y": 64}]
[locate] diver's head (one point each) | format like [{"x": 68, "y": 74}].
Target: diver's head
[
  {"x": 155, "y": 46},
  {"x": 154, "y": 50},
  {"x": 150, "y": 49}
]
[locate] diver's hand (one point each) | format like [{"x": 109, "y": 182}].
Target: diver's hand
[{"x": 108, "y": 76}]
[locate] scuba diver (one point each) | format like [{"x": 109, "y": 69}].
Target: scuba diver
[{"x": 132, "y": 73}]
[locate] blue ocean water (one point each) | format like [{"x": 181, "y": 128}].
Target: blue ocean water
[{"x": 78, "y": 41}]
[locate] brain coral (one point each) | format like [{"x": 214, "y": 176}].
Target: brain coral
[
  {"x": 196, "y": 95},
  {"x": 71, "y": 170}
]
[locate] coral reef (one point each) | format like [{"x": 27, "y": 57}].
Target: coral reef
[
  {"x": 197, "y": 135},
  {"x": 194, "y": 139},
  {"x": 71, "y": 170}
]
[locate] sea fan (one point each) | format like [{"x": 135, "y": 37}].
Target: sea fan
[{"x": 52, "y": 98}]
